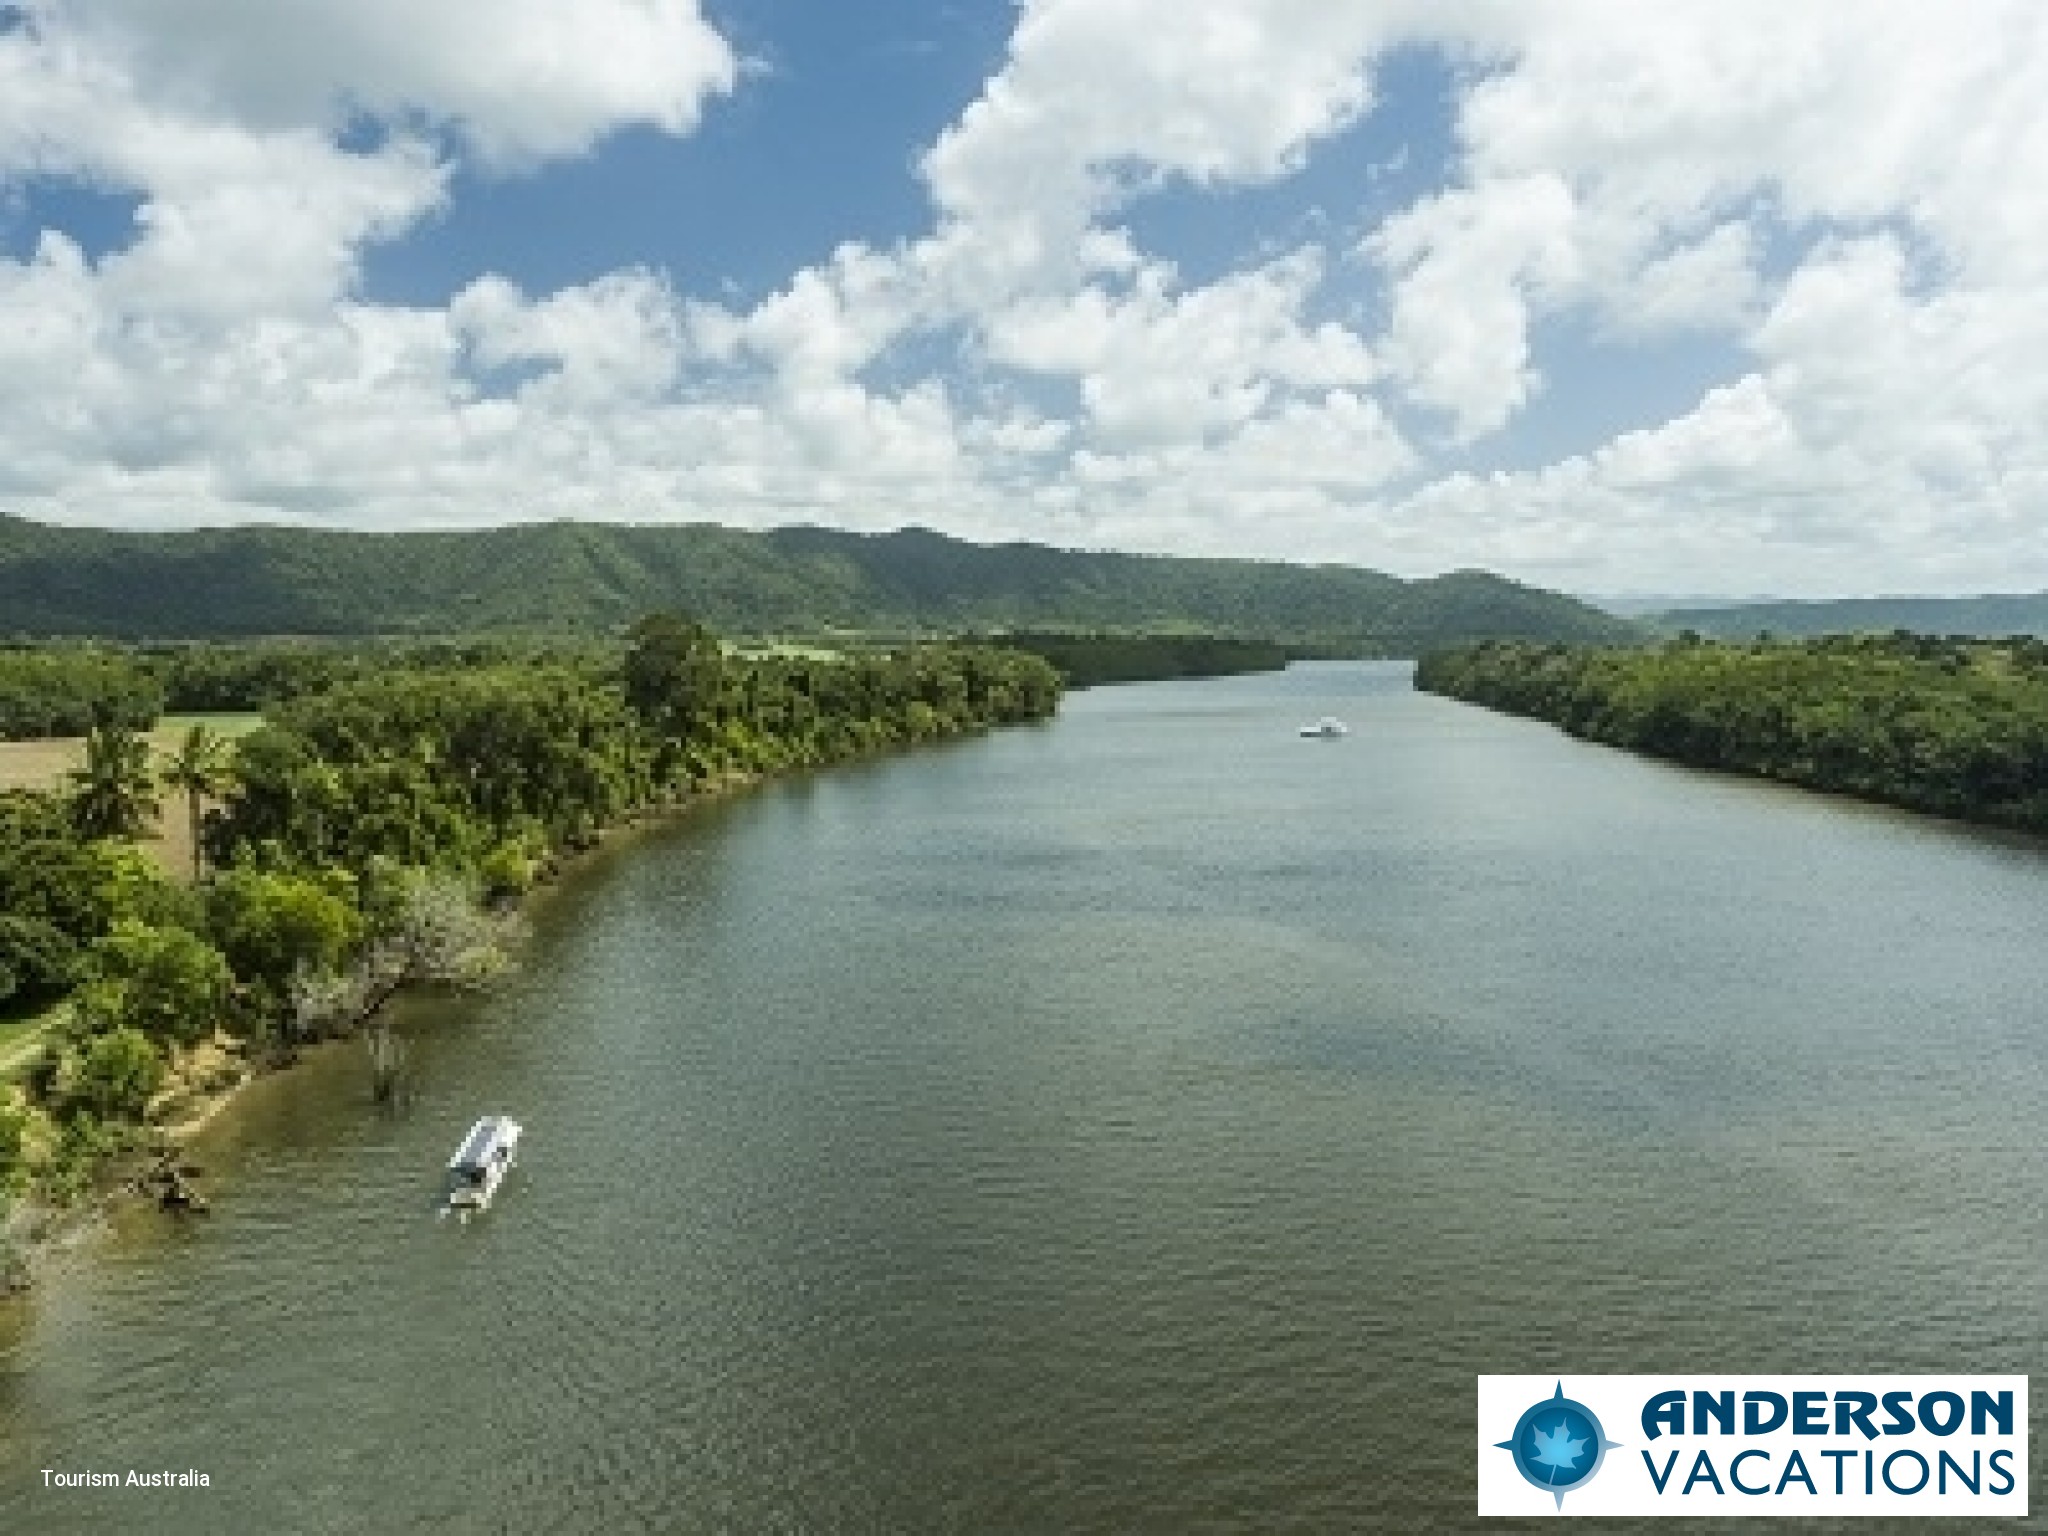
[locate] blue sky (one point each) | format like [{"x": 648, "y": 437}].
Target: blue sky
[
  {"x": 818, "y": 148},
  {"x": 1606, "y": 298}
]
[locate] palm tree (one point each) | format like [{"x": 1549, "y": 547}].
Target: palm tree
[
  {"x": 115, "y": 794},
  {"x": 198, "y": 769}
]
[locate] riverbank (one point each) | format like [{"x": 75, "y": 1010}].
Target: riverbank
[
  {"x": 373, "y": 835},
  {"x": 1948, "y": 727},
  {"x": 205, "y": 1083}
]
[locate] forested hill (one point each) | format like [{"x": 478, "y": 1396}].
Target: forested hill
[
  {"x": 1990, "y": 617},
  {"x": 573, "y": 577}
]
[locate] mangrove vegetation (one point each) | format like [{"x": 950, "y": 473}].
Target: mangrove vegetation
[
  {"x": 1091, "y": 659},
  {"x": 1953, "y": 726}
]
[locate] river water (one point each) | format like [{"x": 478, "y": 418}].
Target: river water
[{"x": 1150, "y": 1121}]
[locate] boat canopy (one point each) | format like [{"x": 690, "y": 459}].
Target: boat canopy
[{"x": 483, "y": 1143}]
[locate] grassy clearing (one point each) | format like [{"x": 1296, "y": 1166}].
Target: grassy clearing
[
  {"x": 38, "y": 764},
  {"x": 43, "y": 765},
  {"x": 172, "y": 726}
]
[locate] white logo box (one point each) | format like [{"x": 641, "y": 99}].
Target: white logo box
[{"x": 1626, "y": 1484}]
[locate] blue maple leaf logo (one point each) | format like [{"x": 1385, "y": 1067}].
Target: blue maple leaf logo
[
  {"x": 1557, "y": 1449},
  {"x": 1565, "y": 1455}
]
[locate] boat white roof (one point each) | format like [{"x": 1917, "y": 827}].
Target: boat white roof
[{"x": 484, "y": 1138}]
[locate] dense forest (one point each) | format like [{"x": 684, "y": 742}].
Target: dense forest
[
  {"x": 64, "y": 688},
  {"x": 1090, "y": 660},
  {"x": 588, "y": 579},
  {"x": 1989, "y": 617},
  {"x": 1954, "y": 726},
  {"x": 366, "y": 834},
  {"x": 67, "y": 691}
]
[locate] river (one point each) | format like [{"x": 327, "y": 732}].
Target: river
[{"x": 1151, "y": 1121}]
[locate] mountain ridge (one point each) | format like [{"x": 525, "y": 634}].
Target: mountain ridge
[
  {"x": 573, "y": 577},
  {"x": 1987, "y": 615}
]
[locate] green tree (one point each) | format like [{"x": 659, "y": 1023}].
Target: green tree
[
  {"x": 59, "y": 890},
  {"x": 283, "y": 795},
  {"x": 115, "y": 1074},
  {"x": 270, "y": 923},
  {"x": 66, "y": 691},
  {"x": 114, "y": 794},
  {"x": 168, "y": 983},
  {"x": 675, "y": 673},
  {"x": 198, "y": 769},
  {"x": 38, "y": 960}
]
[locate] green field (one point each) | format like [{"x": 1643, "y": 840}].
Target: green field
[
  {"x": 229, "y": 725},
  {"x": 43, "y": 765}
]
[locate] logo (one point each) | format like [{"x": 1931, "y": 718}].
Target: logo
[
  {"x": 1558, "y": 1445},
  {"x": 1750, "y": 1445}
]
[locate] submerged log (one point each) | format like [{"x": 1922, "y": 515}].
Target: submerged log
[
  {"x": 171, "y": 1183},
  {"x": 387, "y": 1064},
  {"x": 183, "y": 1199}
]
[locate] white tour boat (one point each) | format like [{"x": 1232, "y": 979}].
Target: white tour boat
[
  {"x": 1329, "y": 728},
  {"x": 479, "y": 1166}
]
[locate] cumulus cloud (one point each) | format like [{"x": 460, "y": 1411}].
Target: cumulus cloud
[
  {"x": 1098, "y": 95},
  {"x": 1160, "y": 366},
  {"x": 1840, "y": 196},
  {"x": 517, "y": 80},
  {"x": 1468, "y": 263},
  {"x": 1892, "y": 434}
]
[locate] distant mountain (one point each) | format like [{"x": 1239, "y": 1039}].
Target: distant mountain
[
  {"x": 1651, "y": 606},
  {"x": 1986, "y": 616},
  {"x": 581, "y": 577}
]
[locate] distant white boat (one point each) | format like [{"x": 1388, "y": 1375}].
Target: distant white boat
[
  {"x": 480, "y": 1164},
  {"x": 1329, "y": 728}
]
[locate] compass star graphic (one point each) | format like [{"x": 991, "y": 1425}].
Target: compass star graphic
[{"x": 1558, "y": 1445}]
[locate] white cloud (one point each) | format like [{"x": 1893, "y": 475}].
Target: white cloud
[
  {"x": 1467, "y": 264},
  {"x": 219, "y": 365},
  {"x": 1097, "y": 93},
  {"x": 519, "y": 80},
  {"x": 1887, "y": 442},
  {"x": 1710, "y": 284},
  {"x": 1842, "y": 196},
  {"x": 601, "y": 344},
  {"x": 1659, "y": 122},
  {"x": 233, "y": 221},
  {"x": 1158, "y": 366}
]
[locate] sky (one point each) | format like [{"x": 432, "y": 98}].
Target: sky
[{"x": 1726, "y": 299}]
